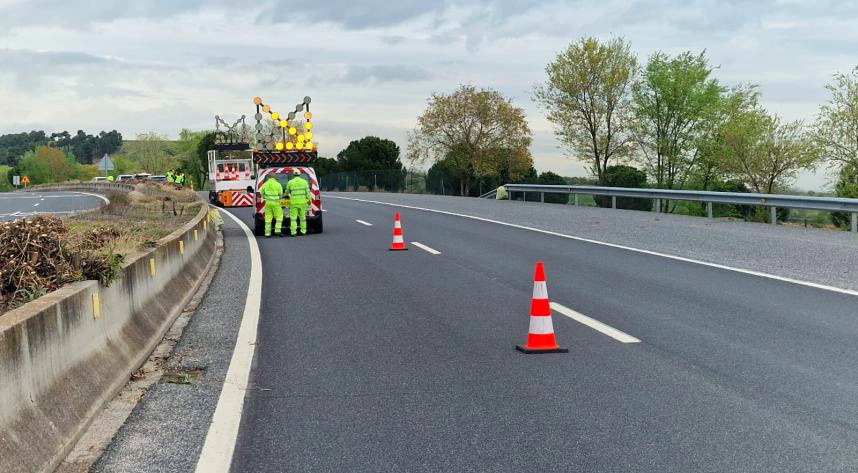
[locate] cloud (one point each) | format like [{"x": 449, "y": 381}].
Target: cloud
[{"x": 359, "y": 74}]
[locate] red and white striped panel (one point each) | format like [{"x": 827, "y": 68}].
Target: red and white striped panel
[{"x": 242, "y": 199}]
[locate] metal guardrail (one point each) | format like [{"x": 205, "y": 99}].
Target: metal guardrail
[{"x": 773, "y": 201}]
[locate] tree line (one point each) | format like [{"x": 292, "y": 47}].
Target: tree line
[{"x": 84, "y": 148}]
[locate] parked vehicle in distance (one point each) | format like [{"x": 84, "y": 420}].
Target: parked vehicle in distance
[
  {"x": 125, "y": 177},
  {"x": 142, "y": 176},
  {"x": 158, "y": 178},
  {"x": 99, "y": 179}
]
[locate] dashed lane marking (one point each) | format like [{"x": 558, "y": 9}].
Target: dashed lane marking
[
  {"x": 363, "y": 223},
  {"x": 621, "y": 247},
  {"x": 594, "y": 324},
  {"x": 425, "y": 248}
]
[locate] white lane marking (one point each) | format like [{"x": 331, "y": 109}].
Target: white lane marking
[
  {"x": 36, "y": 204},
  {"x": 621, "y": 247},
  {"x": 220, "y": 441},
  {"x": 323, "y": 210},
  {"x": 594, "y": 324},
  {"x": 106, "y": 201},
  {"x": 424, "y": 247},
  {"x": 363, "y": 223}
]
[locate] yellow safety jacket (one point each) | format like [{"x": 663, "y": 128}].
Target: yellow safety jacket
[{"x": 271, "y": 190}]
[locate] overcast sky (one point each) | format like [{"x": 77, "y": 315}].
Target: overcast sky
[{"x": 163, "y": 65}]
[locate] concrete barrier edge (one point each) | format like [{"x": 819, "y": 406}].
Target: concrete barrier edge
[{"x": 64, "y": 355}]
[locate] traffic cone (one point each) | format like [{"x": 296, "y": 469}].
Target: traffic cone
[
  {"x": 540, "y": 337},
  {"x": 398, "y": 240}
]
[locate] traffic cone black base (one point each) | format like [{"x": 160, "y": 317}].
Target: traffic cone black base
[{"x": 549, "y": 350}]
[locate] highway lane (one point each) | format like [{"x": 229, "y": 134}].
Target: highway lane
[
  {"x": 369, "y": 360},
  {"x": 15, "y": 205}
]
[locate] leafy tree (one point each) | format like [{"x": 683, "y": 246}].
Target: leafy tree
[
  {"x": 847, "y": 186},
  {"x": 369, "y": 154},
  {"x": 587, "y": 99},
  {"x": 765, "y": 152},
  {"x": 836, "y": 130},
  {"x": 5, "y": 178},
  {"x": 152, "y": 153},
  {"x": 327, "y": 166},
  {"x": 187, "y": 153},
  {"x": 548, "y": 178},
  {"x": 626, "y": 176},
  {"x": 13, "y": 146},
  {"x": 45, "y": 165},
  {"x": 206, "y": 143},
  {"x": 478, "y": 132},
  {"x": 674, "y": 101}
]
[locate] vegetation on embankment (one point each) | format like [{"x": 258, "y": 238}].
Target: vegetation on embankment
[{"x": 43, "y": 253}]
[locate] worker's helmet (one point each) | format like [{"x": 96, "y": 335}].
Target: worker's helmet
[{"x": 296, "y": 171}]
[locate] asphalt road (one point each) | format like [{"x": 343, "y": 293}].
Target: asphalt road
[
  {"x": 15, "y": 205},
  {"x": 370, "y": 360}
]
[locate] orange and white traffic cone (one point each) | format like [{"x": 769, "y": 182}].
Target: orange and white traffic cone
[
  {"x": 540, "y": 337},
  {"x": 398, "y": 239}
]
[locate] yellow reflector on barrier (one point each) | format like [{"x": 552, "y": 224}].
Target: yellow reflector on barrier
[{"x": 96, "y": 306}]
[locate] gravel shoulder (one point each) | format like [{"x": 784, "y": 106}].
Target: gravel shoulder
[
  {"x": 815, "y": 255},
  {"x": 166, "y": 430}
]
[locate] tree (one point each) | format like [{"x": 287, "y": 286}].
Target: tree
[
  {"x": 765, "y": 152},
  {"x": 326, "y": 166},
  {"x": 674, "y": 100},
  {"x": 477, "y": 131},
  {"x": 836, "y": 129},
  {"x": 587, "y": 99},
  {"x": 370, "y": 153},
  {"x": 206, "y": 143},
  {"x": 626, "y": 176},
  {"x": 847, "y": 186},
  {"x": 549, "y": 178},
  {"x": 45, "y": 165},
  {"x": 150, "y": 151},
  {"x": 189, "y": 162}
]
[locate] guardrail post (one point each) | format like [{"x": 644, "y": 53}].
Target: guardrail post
[
  {"x": 709, "y": 209},
  {"x": 658, "y": 206},
  {"x": 524, "y": 193},
  {"x": 576, "y": 198},
  {"x": 774, "y": 215},
  {"x": 613, "y": 201},
  {"x": 542, "y": 197},
  {"x": 854, "y": 222}
]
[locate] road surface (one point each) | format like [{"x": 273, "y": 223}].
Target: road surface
[
  {"x": 371, "y": 360},
  {"x": 15, "y": 205}
]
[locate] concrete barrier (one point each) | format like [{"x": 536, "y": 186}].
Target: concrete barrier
[{"x": 64, "y": 355}]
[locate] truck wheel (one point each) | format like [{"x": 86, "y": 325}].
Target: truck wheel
[
  {"x": 258, "y": 226},
  {"x": 317, "y": 226}
]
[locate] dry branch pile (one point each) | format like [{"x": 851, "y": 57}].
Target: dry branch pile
[{"x": 37, "y": 257}]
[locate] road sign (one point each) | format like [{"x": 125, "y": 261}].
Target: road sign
[
  {"x": 106, "y": 164},
  {"x": 16, "y": 181},
  {"x": 25, "y": 180}
]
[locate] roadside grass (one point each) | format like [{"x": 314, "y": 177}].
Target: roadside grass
[{"x": 141, "y": 217}]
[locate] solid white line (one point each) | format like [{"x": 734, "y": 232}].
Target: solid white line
[
  {"x": 424, "y": 247},
  {"x": 363, "y": 223},
  {"x": 220, "y": 441},
  {"x": 594, "y": 324},
  {"x": 106, "y": 201},
  {"x": 621, "y": 247}
]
